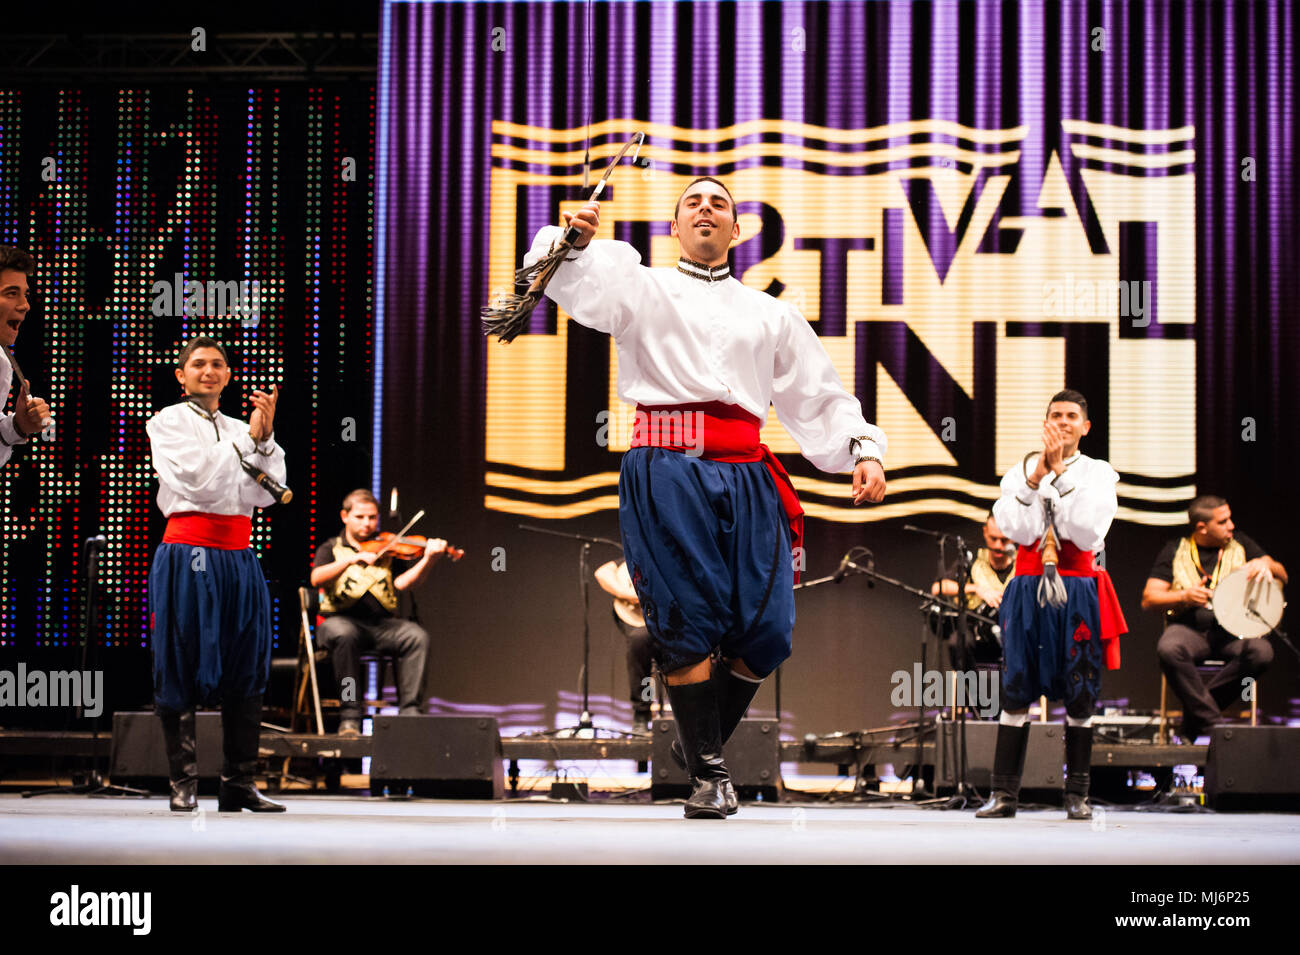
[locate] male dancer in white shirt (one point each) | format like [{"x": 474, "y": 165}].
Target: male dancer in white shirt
[
  {"x": 709, "y": 518},
  {"x": 29, "y": 414},
  {"x": 1055, "y": 646},
  {"x": 211, "y": 612}
]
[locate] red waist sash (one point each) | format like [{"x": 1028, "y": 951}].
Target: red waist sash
[
  {"x": 1079, "y": 563},
  {"x": 720, "y": 432},
  {"x": 218, "y": 531}
]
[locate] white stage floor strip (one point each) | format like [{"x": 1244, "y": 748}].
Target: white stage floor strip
[{"x": 75, "y": 829}]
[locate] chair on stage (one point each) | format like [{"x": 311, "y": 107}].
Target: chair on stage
[
  {"x": 308, "y": 711},
  {"x": 1167, "y": 715}
]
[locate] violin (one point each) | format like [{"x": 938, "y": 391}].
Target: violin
[{"x": 408, "y": 547}]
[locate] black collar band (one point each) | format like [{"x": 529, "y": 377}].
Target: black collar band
[{"x": 705, "y": 273}]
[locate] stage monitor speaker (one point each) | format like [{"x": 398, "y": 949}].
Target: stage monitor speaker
[
  {"x": 448, "y": 757},
  {"x": 1044, "y": 763},
  {"x": 753, "y": 756},
  {"x": 1253, "y": 767},
  {"x": 139, "y": 757}
]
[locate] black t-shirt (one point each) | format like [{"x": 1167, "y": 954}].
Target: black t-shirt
[
  {"x": 1198, "y": 618},
  {"x": 367, "y": 608}
]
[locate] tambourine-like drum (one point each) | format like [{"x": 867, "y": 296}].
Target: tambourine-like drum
[{"x": 1248, "y": 608}]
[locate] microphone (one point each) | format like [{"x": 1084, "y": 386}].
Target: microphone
[
  {"x": 273, "y": 487},
  {"x": 97, "y": 543},
  {"x": 842, "y": 571}
]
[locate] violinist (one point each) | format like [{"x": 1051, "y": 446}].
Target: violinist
[{"x": 359, "y": 604}]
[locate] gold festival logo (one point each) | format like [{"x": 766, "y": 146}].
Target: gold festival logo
[{"x": 953, "y": 320}]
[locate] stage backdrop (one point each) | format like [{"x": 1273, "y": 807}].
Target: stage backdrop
[
  {"x": 245, "y": 213},
  {"x": 973, "y": 204}
]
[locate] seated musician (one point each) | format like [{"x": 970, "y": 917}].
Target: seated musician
[
  {"x": 990, "y": 572},
  {"x": 1182, "y": 584},
  {"x": 615, "y": 581},
  {"x": 359, "y": 602}
]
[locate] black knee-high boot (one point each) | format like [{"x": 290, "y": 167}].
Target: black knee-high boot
[
  {"x": 1008, "y": 768},
  {"x": 734, "y": 696},
  {"x": 241, "y": 725},
  {"x": 182, "y": 758},
  {"x": 695, "y": 711},
  {"x": 1078, "y": 766}
]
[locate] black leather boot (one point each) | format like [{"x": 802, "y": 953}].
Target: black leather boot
[
  {"x": 695, "y": 711},
  {"x": 241, "y": 726},
  {"x": 1078, "y": 766},
  {"x": 182, "y": 758},
  {"x": 1008, "y": 768},
  {"x": 734, "y": 696}
]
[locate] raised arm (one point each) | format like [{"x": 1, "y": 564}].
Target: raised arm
[
  {"x": 268, "y": 456},
  {"x": 1018, "y": 511},
  {"x": 599, "y": 285}
]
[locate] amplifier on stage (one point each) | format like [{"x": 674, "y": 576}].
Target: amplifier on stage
[
  {"x": 1044, "y": 763},
  {"x": 452, "y": 757},
  {"x": 139, "y": 757},
  {"x": 753, "y": 756},
  {"x": 1253, "y": 767}
]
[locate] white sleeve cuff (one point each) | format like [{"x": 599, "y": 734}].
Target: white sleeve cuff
[
  {"x": 1062, "y": 483},
  {"x": 9, "y": 431},
  {"x": 868, "y": 449},
  {"x": 244, "y": 444}
]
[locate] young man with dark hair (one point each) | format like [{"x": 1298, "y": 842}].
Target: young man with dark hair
[
  {"x": 359, "y": 601},
  {"x": 1181, "y": 583},
  {"x": 1060, "y": 617},
  {"x": 30, "y": 414},
  {"x": 211, "y": 611},
  {"x": 709, "y": 536}
]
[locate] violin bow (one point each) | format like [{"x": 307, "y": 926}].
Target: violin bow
[
  {"x": 508, "y": 317},
  {"x": 399, "y": 535}
]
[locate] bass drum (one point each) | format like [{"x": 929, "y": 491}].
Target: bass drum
[{"x": 1248, "y": 608}]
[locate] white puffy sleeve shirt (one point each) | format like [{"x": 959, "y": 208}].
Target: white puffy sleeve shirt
[
  {"x": 1083, "y": 502},
  {"x": 682, "y": 340},
  {"x": 8, "y": 430},
  {"x": 197, "y": 460}
]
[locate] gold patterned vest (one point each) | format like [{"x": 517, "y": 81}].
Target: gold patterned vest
[
  {"x": 357, "y": 581},
  {"x": 982, "y": 572},
  {"x": 1188, "y": 575}
]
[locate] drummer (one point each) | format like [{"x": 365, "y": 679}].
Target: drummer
[
  {"x": 1182, "y": 584},
  {"x": 990, "y": 572}
]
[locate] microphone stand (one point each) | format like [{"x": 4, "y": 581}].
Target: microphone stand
[
  {"x": 584, "y": 722},
  {"x": 930, "y": 602},
  {"x": 963, "y": 790},
  {"x": 95, "y": 784}
]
